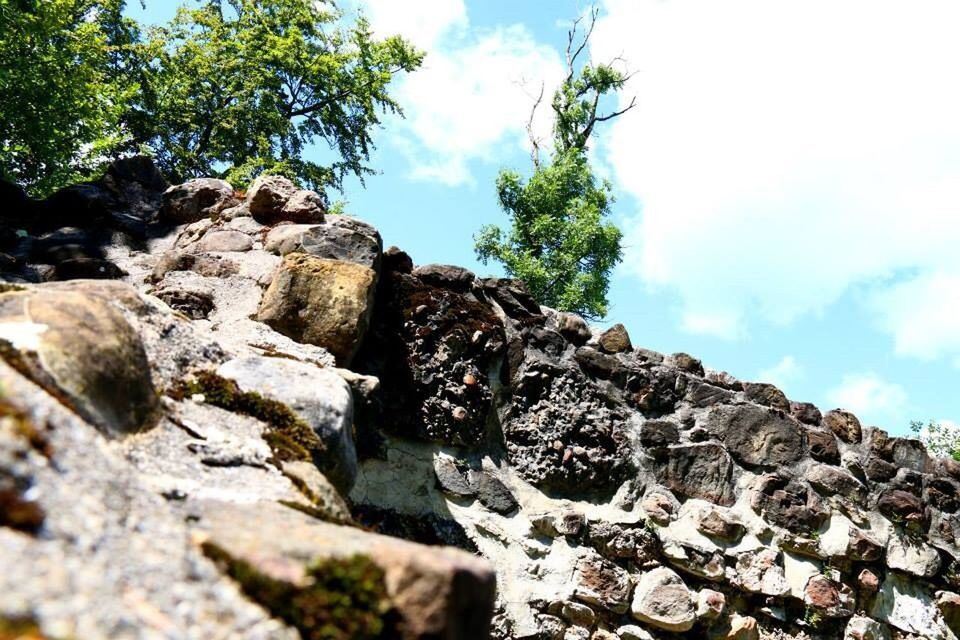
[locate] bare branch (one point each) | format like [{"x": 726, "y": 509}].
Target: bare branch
[
  {"x": 571, "y": 35},
  {"x": 534, "y": 141},
  {"x": 611, "y": 116}
]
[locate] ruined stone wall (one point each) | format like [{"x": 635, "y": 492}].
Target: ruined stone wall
[{"x": 268, "y": 388}]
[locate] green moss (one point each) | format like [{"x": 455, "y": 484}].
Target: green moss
[
  {"x": 289, "y": 436},
  {"x": 345, "y": 598}
]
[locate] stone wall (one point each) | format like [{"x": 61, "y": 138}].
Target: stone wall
[{"x": 238, "y": 434}]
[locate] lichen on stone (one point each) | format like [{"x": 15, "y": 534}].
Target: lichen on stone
[
  {"x": 342, "y": 598},
  {"x": 289, "y": 436}
]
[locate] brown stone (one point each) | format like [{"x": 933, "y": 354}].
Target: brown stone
[
  {"x": 766, "y": 394},
  {"x": 602, "y": 583},
  {"x": 823, "y": 446},
  {"x": 806, "y": 412},
  {"x": 323, "y": 302},
  {"x": 868, "y": 581},
  {"x": 844, "y": 424},
  {"x": 615, "y": 340}
]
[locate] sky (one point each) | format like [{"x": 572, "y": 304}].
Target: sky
[{"x": 788, "y": 183}]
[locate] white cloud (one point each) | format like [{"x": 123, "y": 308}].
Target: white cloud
[
  {"x": 472, "y": 97},
  {"x": 869, "y": 396},
  {"x": 423, "y": 22},
  {"x": 782, "y": 374},
  {"x": 785, "y": 153}
]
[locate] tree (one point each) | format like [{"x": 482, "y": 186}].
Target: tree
[
  {"x": 941, "y": 439},
  {"x": 63, "y": 91},
  {"x": 239, "y": 87},
  {"x": 560, "y": 243}
]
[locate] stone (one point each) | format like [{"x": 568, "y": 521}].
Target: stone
[
  {"x": 758, "y": 571},
  {"x": 273, "y": 199},
  {"x": 602, "y": 583},
  {"x": 717, "y": 525},
  {"x": 491, "y": 492},
  {"x": 658, "y": 434},
  {"x": 513, "y": 298},
  {"x": 823, "y": 446},
  {"x": 757, "y": 437},
  {"x": 633, "y": 632},
  {"x": 615, "y": 340},
  {"x": 576, "y": 633},
  {"x": 913, "y": 557},
  {"x": 396, "y": 259},
  {"x": 195, "y": 200},
  {"x": 303, "y": 206},
  {"x": 703, "y": 471},
  {"x": 685, "y": 362},
  {"x": 79, "y": 347},
  {"x": 578, "y": 614},
  {"x": 222, "y": 241},
  {"x": 87, "y": 269},
  {"x": 909, "y": 607},
  {"x": 660, "y": 506},
  {"x": 949, "y": 605},
  {"x": 766, "y": 394},
  {"x": 864, "y": 628},
  {"x": 341, "y": 238},
  {"x": 436, "y": 592},
  {"x": 574, "y": 328},
  {"x": 710, "y": 605},
  {"x": 662, "y": 600},
  {"x": 550, "y": 627},
  {"x": 446, "y": 276},
  {"x": 450, "y": 479},
  {"x": 319, "y": 396},
  {"x": 210, "y": 266},
  {"x": 868, "y": 581},
  {"x": 806, "y": 412},
  {"x": 832, "y": 480},
  {"x": 789, "y": 503},
  {"x": 739, "y": 627},
  {"x": 844, "y": 424},
  {"x": 829, "y": 598},
  {"x": 902, "y": 506},
  {"x": 323, "y": 302},
  {"x": 910, "y": 453},
  {"x": 196, "y": 304}
]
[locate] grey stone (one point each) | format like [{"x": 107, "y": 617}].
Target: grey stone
[
  {"x": 196, "y": 200},
  {"x": 222, "y": 241},
  {"x": 757, "y": 437},
  {"x": 662, "y": 600},
  {"x": 319, "y": 396},
  {"x": 491, "y": 492}
]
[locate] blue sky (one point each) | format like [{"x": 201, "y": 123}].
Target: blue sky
[{"x": 788, "y": 185}]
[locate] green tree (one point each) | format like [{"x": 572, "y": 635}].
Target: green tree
[
  {"x": 63, "y": 89},
  {"x": 560, "y": 242},
  {"x": 941, "y": 439},
  {"x": 240, "y": 87}
]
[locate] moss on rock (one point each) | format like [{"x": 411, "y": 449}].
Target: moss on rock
[
  {"x": 289, "y": 436},
  {"x": 341, "y": 598}
]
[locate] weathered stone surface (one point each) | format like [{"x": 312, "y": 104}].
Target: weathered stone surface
[
  {"x": 844, "y": 424},
  {"x": 789, "y": 503},
  {"x": 831, "y": 480},
  {"x": 323, "y": 302},
  {"x": 685, "y": 362},
  {"x": 766, "y": 394},
  {"x": 911, "y": 556},
  {"x": 806, "y": 412},
  {"x": 702, "y": 471},
  {"x": 437, "y": 592},
  {"x": 341, "y": 238},
  {"x": 710, "y": 604},
  {"x": 829, "y": 598},
  {"x": 224, "y": 241},
  {"x": 319, "y": 396},
  {"x": 451, "y": 479},
  {"x": 273, "y": 199},
  {"x": 757, "y": 437},
  {"x": 902, "y": 506},
  {"x": 738, "y": 627},
  {"x": 864, "y": 628},
  {"x": 716, "y": 524},
  {"x": 909, "y": 606},
  {"x": 195, "y": 200},
  {"x": 81, "y": 349},
  {"x": 491, "y": 492},
  {"x": 823, "y": 446},
  {"x": 602, "y": 583},
  {"x": 760, "y": 572},
  {"x": 615, "y": 340},
  {"x": 633, "y": 632},
  {"x": 396, "y": 259},
  {"x": 573, "y": 328},
  {"x": 662, "y": 600}
]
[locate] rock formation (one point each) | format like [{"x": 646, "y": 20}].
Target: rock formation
[{"x": 227, "y": 415}]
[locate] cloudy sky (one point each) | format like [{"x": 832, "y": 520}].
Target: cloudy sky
[{"x": 789, "y": 183}]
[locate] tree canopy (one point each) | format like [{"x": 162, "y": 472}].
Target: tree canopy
[
  {"x": 560, "y": 242},
  {"x": 229, "y": 88}
]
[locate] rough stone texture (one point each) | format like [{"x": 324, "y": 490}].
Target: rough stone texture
[
  {"x": 227, "y": 240},
  {"x": 273, "y": 199},
  {"x": 844, "y": 424},
  {"x": 319, "y": 396},
  {"x": 341, "y": 238},
  {"x": 81, "y": 349},
  {"x": 323, "y": 302},
  {"x": 662, "y": 600},
  {"x": 864, "y": 628},
  {"x": 701, "y": 471},
  {"x": 758, "y": 437},
  {"x": 196, "y": 200},
  {"x": 615, "y": 340},
  {"x": 602, "y": 583}
]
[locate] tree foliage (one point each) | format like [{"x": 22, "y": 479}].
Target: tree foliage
[
  {"x": 239, "y": 87},
  {"x": 63, "y": 89},
  {"x": 229, "y": 88},
  {"x": 941, "y": 439},
  {"x": 560, "y": 242}
]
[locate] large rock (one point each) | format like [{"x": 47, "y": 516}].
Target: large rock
[
  {"x": 341, "y": 238},
  {"x": 703, "y": 471},
  {"x": 281, "y": 558},
  {"x": 273, "y": 199},
  {"x": 82, "y": 351},
  {"x": 602, "y": 583},
  {"x": 196, "y": 200},
  {"x": 323, "y": 302},
  {"x": 662, "y": 600},
  {"x": 910, "y": 607},
  {"x": 757, "y": 437},
  {"x": 912, "y": 556},
  {"x": 844, "y": 424},
  {"x": 319, "y": 396}
]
